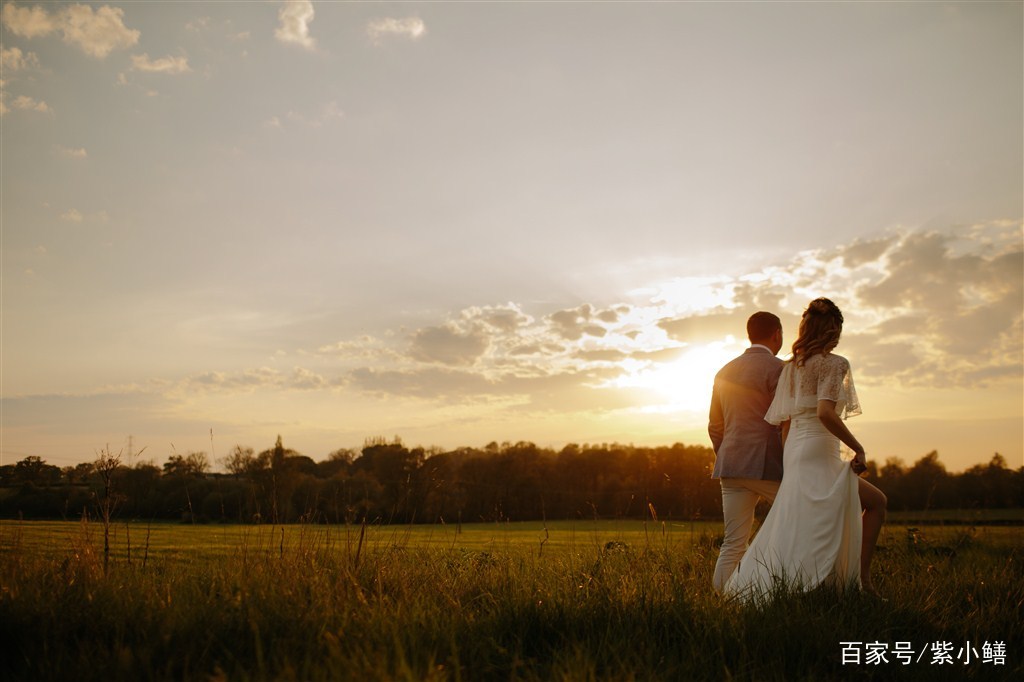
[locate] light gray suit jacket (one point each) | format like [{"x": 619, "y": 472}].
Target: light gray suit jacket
[{"x": 746, "y": 446}]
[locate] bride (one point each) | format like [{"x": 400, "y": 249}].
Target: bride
[{"x": 825, "y": 520}]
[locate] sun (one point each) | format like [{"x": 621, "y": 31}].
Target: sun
[{"x": 683, "y": 384}]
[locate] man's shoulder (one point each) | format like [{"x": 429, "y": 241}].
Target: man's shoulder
[
  {"x": 759, "y": 356},
  {"x": 753, "y": 357}
]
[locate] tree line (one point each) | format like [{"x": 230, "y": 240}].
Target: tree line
[{"x": 387, "y": 482}]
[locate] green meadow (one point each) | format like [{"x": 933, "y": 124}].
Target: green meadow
[{"x": 584, "y": 600}]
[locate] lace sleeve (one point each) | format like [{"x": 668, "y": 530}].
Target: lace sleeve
[{"x": 835, "y": 382}]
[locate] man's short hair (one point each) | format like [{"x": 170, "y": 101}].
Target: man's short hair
[{"x": 762, "y": 325}]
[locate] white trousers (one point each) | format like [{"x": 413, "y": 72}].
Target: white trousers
[{"x": 739, "y": 497}]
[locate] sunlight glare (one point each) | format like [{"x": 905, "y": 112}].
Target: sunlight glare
[{"x": 684, "y": 384}]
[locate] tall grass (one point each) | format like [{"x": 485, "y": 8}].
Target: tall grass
[{"x": 341, "y": 603}]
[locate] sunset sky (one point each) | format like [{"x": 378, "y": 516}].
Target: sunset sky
[{"x": 469, "y": 222}]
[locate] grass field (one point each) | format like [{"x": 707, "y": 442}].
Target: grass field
[{"x": 615, "y": 600}]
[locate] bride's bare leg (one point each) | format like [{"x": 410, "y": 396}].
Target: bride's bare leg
[{"x": 873, "y": 502}]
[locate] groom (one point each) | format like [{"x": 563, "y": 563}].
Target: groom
[{"x": 748, "y": 450}]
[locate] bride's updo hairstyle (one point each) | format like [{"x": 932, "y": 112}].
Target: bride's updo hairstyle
[{"x": 820, "y": 327}]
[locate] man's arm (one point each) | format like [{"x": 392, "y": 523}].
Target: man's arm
[{"x": 716, "y": 420}]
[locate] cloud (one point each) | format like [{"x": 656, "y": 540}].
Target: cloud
[
  {"x": 70, "y": 152},
  {"x": 306, "y": 380},
  {"x": 169, "y": 65},
  {"x": 705, "y": 328},
  {"x": 935, "y": 308},
  {"x": 295, "y": 17},
  {"x": 524, "y": 349},
  {"x": 411, "y": 28},
  {"x": 26, "y": 103},
  {"x": 28, "y": 22},
  {"x": 96, "y": 32},
  {"x": 72, "y": 215},
  {"x": 575, "y": 323},
  {"x": 960, "y": 311},
  {"x": 603, "y": 355},
  {"x": 199, "y": 24},
  {"x": 321, "y": 117},
  {"x": 363, "y": 348},
  {"x": 562, "y": 392},
  {"x": 327, "y": 113},
  {"x": 860, "y": 252},
  {"x": 13, "y": 59},
  {"x": 505, "y": 318},
  {"x": 429, "y": 382},
  {"x": 450, "y": 345},
  {"x": 253, "y": 380},
  {"x": 206, "y": 24}
]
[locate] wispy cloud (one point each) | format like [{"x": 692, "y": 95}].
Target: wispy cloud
[
  {"x": 70, "y": 152},
  {"x": 73, "y": 215},
  {"x": 199, "y": 24},
  {"x": 295, "y": 17},
  {"x": 410, "y": 28},
  {"x": 12, "y": 62},
  {"x": 252, "y": 380},
  {"x": 26, "y": 103},
  {"x": 206, "y": 24},
  {"x": 168, "y": 65},
  {"x": 325, "y": 114},
  {"x": 13, "y": 59},
  {"x": 96, "y": 32}
]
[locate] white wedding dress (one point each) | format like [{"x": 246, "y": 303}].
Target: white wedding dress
[{"x": 812, "y": 533}]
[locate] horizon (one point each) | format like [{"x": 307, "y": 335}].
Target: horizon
[{"x": 469, "y": 223}]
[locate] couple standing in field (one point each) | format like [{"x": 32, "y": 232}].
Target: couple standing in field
[{"x": 776, "y": 429}]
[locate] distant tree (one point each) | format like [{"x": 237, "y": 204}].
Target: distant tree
[
  {"x": 239, "y": 461},
  {"x": 893, "y": 468},
  {"x": 987, "y": 485},
  {"x": 338, "y": 461},
  {"x": 927, "y": 483},
  {"x": 105, "y": 466},
  {"x": 79, "y": 473},
  {"x": 34, "y": 471},
  {"x": 192, "y": 465},
  {"x": 281, "y": 479},
  {"x": 394, "y": 466},
  {"x": 140, "y": 486},
  {"x": 390, "y": 482}
]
